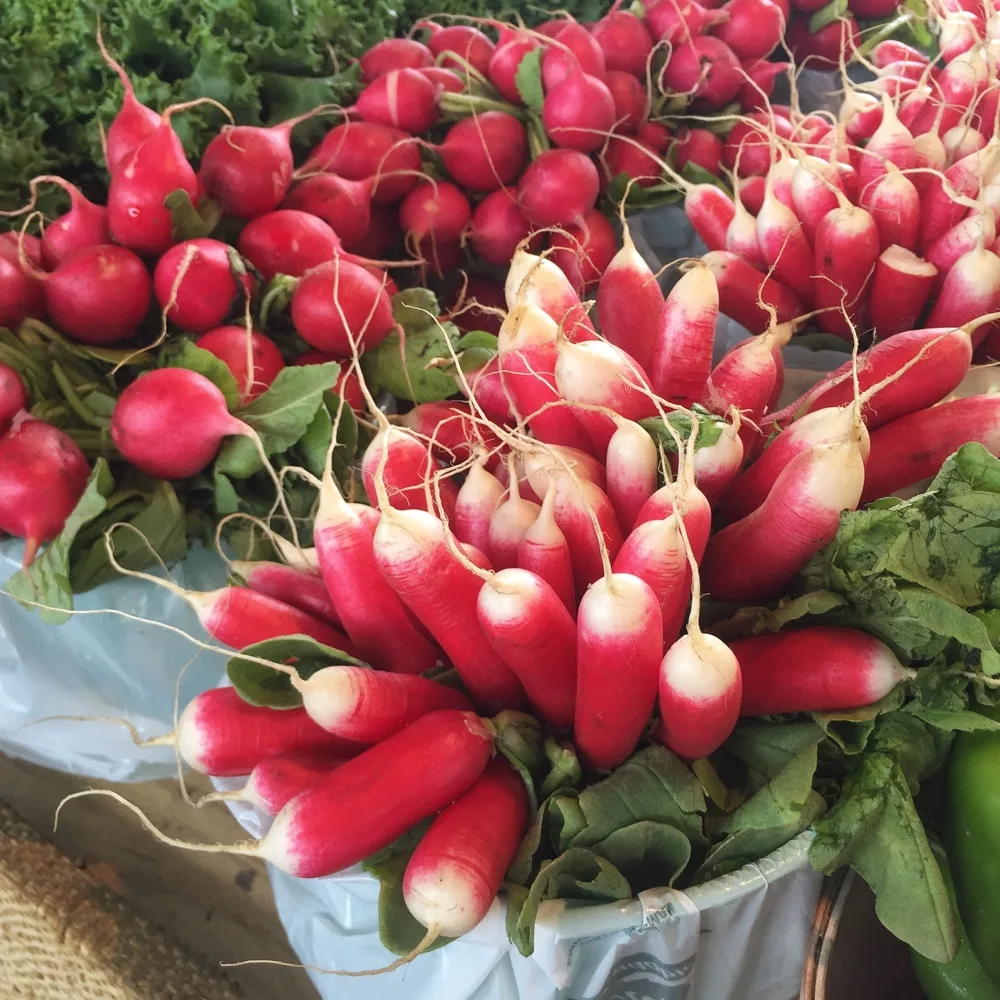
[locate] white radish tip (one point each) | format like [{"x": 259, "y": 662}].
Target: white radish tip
[
  {"x": 701, "y": 669},
  {"x": 618, "y": 604}
]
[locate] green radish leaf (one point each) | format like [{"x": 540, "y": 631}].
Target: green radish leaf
[
  {"x": 227, "y": 500},
  {"x": 850, "y": 730},
  {"x": 648, "y": 854},
  {"x": 564, "y": 767},
  {"x": 954, "y": 721},
  {"x": 312, "y": 447},
  {"x": 528, "y": 80},
  {"x": 188, "y": 222},
  {"x": 183, "y": 353},
  {"x": 520, "y": 740},
  {"x": 415, "y": 309},
  {"x": 270, "y": 688},
  {"x": 710, "y": 427},
  {"x": 407, "y": 364}
]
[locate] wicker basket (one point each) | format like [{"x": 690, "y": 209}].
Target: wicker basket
[{"x": 65, "y": 936}]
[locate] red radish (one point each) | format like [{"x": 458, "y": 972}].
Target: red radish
[
  {"x": 894, "y": 204},
  {"x": 435, "y": 210},
  {"x": 300, "y": 588},
  {"x": 619, "y": 644},
  {"x": 695, "y": 510},
  {"x": 437, "y": 257},
  {"x": 971, "y": 289},
  {"x": 455, "y": 873},
  {"x": 655, "y": 135},
  {"x": 781, "y": 174},
  {"x": 453, "y": 432},
  {"x": 822, "y": 49},
  {"x": 900, "y": 289},
  {"x": 486, "y": 151},
  {"x": 543, "y": 465},
  {"x": 861, "y": 115},
  {"x": 635, "y": 159},
  {"x": 528, "y": 625},
  {"x": 545, "y": 552},
  {"x": 466, "y": 42},
  {"x": 361, "y": 151},
  {"x": 579, "y": 111},
  {"x": 413, "y": 554},
  {"x": 961, "y": 141},
  {"x": 741, "y": 237},
  {"x": 697, "y": 146},
  {"x": 676, "y": 23},
  {"x": 402, "y": 98},
  {"x": 287, "y": 242},
  {"x": 845, "y": 669},
  {"x": 706, "y": 68},
  {"x": 750, "y": 192},
  {"x": 479, "y": 304},
  {"x": 538, "y": 281},
  {"x": 747, "y": 377},
  {"x": 814, "y": 191},
  {"x": 383, "y": 233},
  {"x": 340, "y": 306},
  {"x": 84, "y": 225},
  {"x": 700, "y": 692},
  {"x": 22, "y": 294},
  {"x": 509, "y": 523},
  {"x": 237, "y": 348},
  {"x": 892, "y": 142},
  {"x": 977, "y": 229},
  {"x": 763, "y": 75},
  {"x": 681, "y": 357},
  {"x": 497, "y": 227},
  {"x": 757, "y": 557},
  {"x": 487, "y": 387},
  {"x": 444, "y": 79},
  {"x": 202, "y": 296},
  {"x": 632, "y": 464},
  {"x": 504, "y": 63},
  {"x": 577, "y": 51},
  {"x": 891, "y": 50},
  {"x": 625, "y": 42},
  {"x": 558, "y": 187},
  {"x": 784, "y": 245},
  {"x": 13, "y": 396},
  {"x": 221, "y": 734},
  {"x": 716, "y": 466},
  {"x": 754, "y": 28},
  {"x": 348, "y": 384},
  {"x": 739, "y": 285},
  {"x": 42, "y": 476},
  {"x": 629, "y": 97},
  {"x": 98, "y": 295},
  {"x": 170, "y": 422},
  {"x": 709, "y": 211},
  {"x": 912, "y": 448},
  {"x": 394, "y": 53},
  {"x": 939, "y": 212},
  {"x": 134, "y": 122},
  {"x": 480, "y": 495},
  {"x": 583, "y": 250}
]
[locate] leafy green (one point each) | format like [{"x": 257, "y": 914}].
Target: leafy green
[
  {"x": 710, "y": 427},
  {"x": 528, "y": 80},
  {"x": 183, "y": 353}
]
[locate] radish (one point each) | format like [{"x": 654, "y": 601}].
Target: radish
[
  {"x": 134, "y": 122},
  {"x": 891, "y": 50},
  {"x": 681, "y": 356},
  {"x": 468, "y": 43},
  {"x": 677, "y": 23},
  {"x": 784, "y": 245},
  {"x": 13, "y": 396},
  {"x": 287, "y": 242},
  {"x": 578, "y": 111},
  {"x": 545, "y": 552},
  {"x": 368, "y": 706},
  {"x": 342, "y": 204},
  {"x": 22, "y": 294},
  {"x": 892, "y": 142},
  {"x": 738, "y": 286},
  {"x": 435, "y": 210},
  {"x": 693, "y": 506},
  {"x": 540, "y": 282},
  {"x": 716, "y": 466},
  {"x": 221, "y": 734},
  {"x": 98, "y": 295},
  {"x": 413, "y": 553},
  {"x": 655, "y": 134},
  {"x": 636, "y": 159},
  {"x": 577, "y": 51},
  {"x": 360, "y": 151},
  {"x": 822, "y": 48},
  {"x": 195, "y": 284},
  {"x": 822, "y": 668},
  {"x": 543, "y": 465},
  {"x": 750, "y": 191},
  {"x": 894, "y": 204},
  {"x": 975, "y": 230},
  {"x": 453, "y": 432},
  {"x": 748, "y": 148},
  {"x": 753, "y": 30},
  {"x": 698, "y": 146},
  {"x": 900, "y": 289},
  {"x": 913, "y": 448},
  {"x": 939, "y": 211},
  {"x": 509, "y": 523},
  {"x": 619, "y": 644},
  {"x": 749, "y": 376},
  {"x": 761, "y": 78},
  {"x": 625, "y": 42},
  {"x": 629, "y": 98},
  {"x": 479, "y": 304},
  {"x": 558, "y": 187},
  {"x": 528, "y": 625},
  {"x": 480, "y": 495},
  {"x": 741, "y": 236},
  {"x": 84, "y": 225},
  {"x": 757, "y": 557},
  {"x": 960, "y": 141},
  {"x": 632, "y": 466},
  {"x": 394, "y": 53},
  {"x": 487, "y": 388},
  {"x": 42, "y": 476},
  {"x": 971, "y": 289},
  {"x": 383, "y": 233},
  {"x": 486, "y": 151},
  {"x": 497, "y": 227},
  {"x": 302, "y": 589},
  {"x": 238, "y": 348},
  {"x": 456, "y": 871},
  {"x": 706, "y": 68},
  {"x": 341, "y": 307},
  {"x": 348, "y": 384},
  {"x": 504, "y": 63},
  {"x": 403, "y": 98},
  {"x": 583, "y": 250},
  {"x": 710, "y": 211}
]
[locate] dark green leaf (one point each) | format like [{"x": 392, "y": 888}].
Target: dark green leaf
[
  {"x": 951, "y": 721},
  {"x": 416, "y": 309},
  {"x": 528, "y": 80},
  {"x": 710, "y": 427},
  {"x": 564, "y": 767},
  {"x": 851, "y": 729},
  {"x": 407, "y": 364},
  {"x": 188, "y": 222},
  {"x": 648, "y": 854},
  {"x": 182, "y": 353},
  {"x": 520, "y": 740}
]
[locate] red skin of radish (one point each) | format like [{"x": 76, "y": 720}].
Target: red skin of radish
[
  {"x": 372, "y": 799},
  {"x": 541, "y": 283},
  {"x": 414, "y": 557},
  {"x": 371, "y": 613},
  {"x": 894, "y": 204},
  {"x": 170, "y": 422},
  {"x": 486, "y": 151},
  {"x": 22, "y": 294},
  {"x": 509, "y": 523},
  {"x": 470, "y": 44},
  {"x": 681, "y": 356},
  {"x": 655, "y": 135},
  {"x": 528, "y": 625},
  {"x": 300, "y": 588},
  {"x": 578, "y": 112},
  {"x": 629, "y": 303},
  {"x": 222, "y": 735},
  {"x": 625, "y": 42},
  {"x": 716, "y": 466},
  {"x": 576, "y": 507},
  {"x": 763, "y": 73},
  {"x": 383, "y": 235},
  {"x": 497, "y": 227},
  {"x": 700, "y": 694},
  {"x": 970, "y": 289},
  {"x": 635, "y": 159},
  {"x": 558, "y": 187},
  {"x": 754, "y": 28},
  {"x": 975, "y": 229},
  {"x": 98, "y": 295},
  {"x": 366, "y": 705},
  {"x": 287, "y": 242},
  {"x": 277, "y": 780},
  {"x": 751, "y": 193},
  {"x": 437, "y": 211},
  {"x": 693, "y": 506},
  {"x": 632, "y": 465},
  {"x": 42, "y": 476},
  {"x": 13, "y": 396},
  {"x": 698, "y": 146},
  {"x": 757, "y": 557},
  {"x": 914, "y": 447},
  {"x": 823, "y": 48},
  {"x": 439, "y": 258},
  {"x": 348, "y": 384},
  {"x": 506, "y": 58},
  {"x": 471, "y": 308},
  {"x": 230, "y": 344},
  {"x": 487, "y": 385},
  {"x": 900, "y": 289},
  {"x": 847, "y": 247},
  {"x": 361, "y": 151},
  {"x": 619, "y": 645},
  {"x": 677, "y": 23},
  {"x": 785, "y": 247},
  {"x": 339, "y": 302},
  {"x": 738, "y": 283},
  {"x": 402, "y": 98},
  {"x": 545, "y": 552},
  {"x": 453, "y": 432},
  {"x": 585, "y": 54},
  {"x": 707, "y": 68},
  {"x": 745, "y": 378},
  {"x": 584, "y": 250},
  {"x": 891, "y": 51},
  {"x": 206, "y": 293},
  {"x": 892, "y": 142},
  {"x": 456, "y": 871},
  {"x": 938, "y": 213},
  {"x": 345, "y": 206},
  {"x": 134, "y": 122},
  {"x": 446, "y": 79},
  {"x": 710, "y": 211},
  {"x": 629, "y": 98},
  {"x": 394, "y": 53},
  {"x": 746, "y": 149},
  {"x": 846, "y": 669},
  {"x": 84, "y": 225},
  {"x": 478, "y": 498}
]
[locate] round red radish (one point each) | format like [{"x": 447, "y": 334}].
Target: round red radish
[
  {"x": 444, "y": 79},
  {"x": 84, "y": 225},
  {"x": 230, "y": 344},
  {"x": 98, "y": 295},
  {"x": 402, "y": 98},
  {"x": 497, "y": 227},
  {"x": 697, "y": 146},
  {"x": 754, "y": 28},
  {"x": 486, "y": 151},
  {"x": 584, "y": 55},
  {"x": 339, "y": 302},
  {"x": 629, "y": 97},
  {"x": 440, "y": 258},
  {"x": 22, "y": 294},
  {"x": 747, "y": 149},
  {"x": 656, "y": 135},
  {"x": 170, "y": 423},
  {"x": 763, "y": 75},
  {"x": 206, "y": 291},
  {"x": 383, "y": 233},
  {"x": 558, "y": 187},
  {"x": 578, "y": 112},
  {"x": 676, "y": 23},
  {"x": 705, "y": 68},
  {"x": 506, "y": 58},
  {"x": 480, "y": 307},
  {"x": 636, "y": 160},
  {"x": 13, "y": 396},
  {"x": 583, "y": 250},
  {"x": 363, "y": 150},
  {"x": 287, "y": 242},
  {"x": 42, "y": 476},
  {"x": 435, "y": 210},
  {"x": 134, "y": 122},
  {"x": 345, "y": 206},
  {"x": 625, "y": 41},
  {"x": 823, "y": 48},
  {"x": 466, "y": 42},
  {"x": 394, "y": 53}
]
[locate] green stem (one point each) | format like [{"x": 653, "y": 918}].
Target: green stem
[
  {"x": 94, "y": 444},
  {"x": 23, "y": 360},
  {"x": 78, "y": 406},
  {"x": 277, "y": 297},
  {"x": 472, "y": 104},
  {"x": 886, "y": 31},
  {"x": 470, "y": 71}
]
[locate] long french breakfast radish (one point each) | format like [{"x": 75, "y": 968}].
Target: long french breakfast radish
[
  {"x": 783, "y": 244},
  {"x": 545, "y": 552},
  {"x": 741, "y": 288},
  {"x": 716, "y": 466},
  {"x": 453, "y": 431},
  {"x": 302, "y": 589},
  {"x": 747, "y": 377},
  {"x": 971, "y": 288},
  {"x": 478, "y": 497},
  {"x": 632, "y": 465},
  {"x": 900, "y": 290},
  {"x": 583, "y": 250},
  {"x": 693, "y": 506},
  {"x": 509, "y": 523},
  {"x": 710, "y": 211},
  {"x": 540, "y": 282}
]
